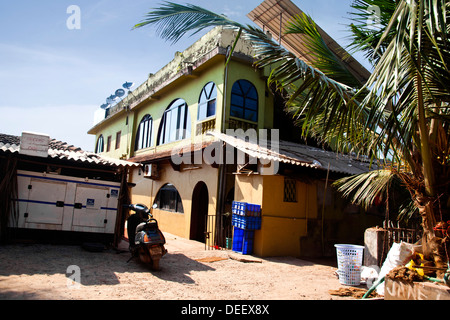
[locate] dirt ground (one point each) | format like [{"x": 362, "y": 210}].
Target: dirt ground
[{"x": 188, "y": 272}]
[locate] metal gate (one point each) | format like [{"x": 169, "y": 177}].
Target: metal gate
[
  {"x": 396, "y": 233},
  {"x": 218, "y": 232}
]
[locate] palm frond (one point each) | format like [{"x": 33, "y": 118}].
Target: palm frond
[
  {"x": 324, "y": 58},
  {"x": 389, "y": 117},
  {"x": 384, "y": 186},
  {"x": 369, "y": 19},
  {"x": 174, "y": 21},
  {"x": 314, "y": 92},
  {"x": 364, "y": 188},
  {"x": 420, "y": 37},
  {"x": 321, "y": 95},
  {"x": 407, "y": 210}
]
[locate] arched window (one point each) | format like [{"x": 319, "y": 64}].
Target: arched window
[
  {"x": 144, "y": 133},
  {"x": 100, "y": 147},
  {"x": 168, "y": 199},
  {"x": 175, "y": 124},
  {"x": 207, "y": 101},
  {"x": 244, "y": 101}
]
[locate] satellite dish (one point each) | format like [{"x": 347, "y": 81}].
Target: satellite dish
[
  {"x": 105, "y": 106},
  {"x": 128, "y": 85},
  {"x": 120, "y": 93},
  {"x": 111, "y": 99}
]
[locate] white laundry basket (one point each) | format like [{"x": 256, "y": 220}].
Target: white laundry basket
[{"x": 350, "y": 259}]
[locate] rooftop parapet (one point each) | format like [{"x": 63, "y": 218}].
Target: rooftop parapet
[{"x": 215, "y": 42}]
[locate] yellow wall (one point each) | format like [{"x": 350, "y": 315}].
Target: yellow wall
[
  {"x": 283, "y": 223},
  {"x": 184, "y": 181},
  {"x": 115, "y": 125},
  {"x": 188, "y": 88}
]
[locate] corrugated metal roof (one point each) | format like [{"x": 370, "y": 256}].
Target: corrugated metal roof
[
  {"x": 297, "y": 154},
  {"x": 271, "y": 14},
  {"x": 64, "y": 151}
]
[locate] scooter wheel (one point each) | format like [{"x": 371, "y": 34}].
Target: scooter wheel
[{"x": 155, "y": 265}]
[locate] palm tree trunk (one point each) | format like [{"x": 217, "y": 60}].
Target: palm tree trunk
[
  {"x": 432, "y": 246},
  {"x": 425, "y": 204},
  {"x": 425, "y": 149},
  {"x": 426, "y": 210}
]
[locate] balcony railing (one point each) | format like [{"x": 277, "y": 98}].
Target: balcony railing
[
  {"x": 234, "y": 123},
  {"x": 205, "y": 126}
]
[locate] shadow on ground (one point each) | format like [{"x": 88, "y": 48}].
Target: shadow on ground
[{"x": 96, "y": 268}]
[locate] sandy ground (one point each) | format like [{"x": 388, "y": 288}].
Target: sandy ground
[{"x": 188, "y": 272}]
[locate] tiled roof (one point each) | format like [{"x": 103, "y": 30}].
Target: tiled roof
[
  {"x": 9, "y": 139},
  {"x": 64, "y": 151},
  {"x": 54, "y": 144}
]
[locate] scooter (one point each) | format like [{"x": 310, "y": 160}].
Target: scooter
[{"x": 145, "y": 238}]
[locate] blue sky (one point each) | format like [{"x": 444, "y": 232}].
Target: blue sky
[{"x": 53, "y": 79}]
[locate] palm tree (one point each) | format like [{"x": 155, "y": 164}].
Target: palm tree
[
  {"x": 410, "y": 85},
  {"x": 399, "y": 118}
]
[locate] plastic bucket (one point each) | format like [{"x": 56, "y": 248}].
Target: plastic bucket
[
  {"x": 228, "y": 242},
  {"x": 349, "y": 263}
]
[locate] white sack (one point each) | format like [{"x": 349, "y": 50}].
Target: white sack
[{"x": 399, "y": 255}]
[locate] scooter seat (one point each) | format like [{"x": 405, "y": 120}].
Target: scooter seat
[{"x": 140, "y": 227}]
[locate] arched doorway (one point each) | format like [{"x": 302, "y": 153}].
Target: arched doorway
[{"x": 199, "y": 212}]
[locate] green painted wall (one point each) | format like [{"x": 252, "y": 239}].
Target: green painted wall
[
  {"x": 110, "y": 129},
  {"x": 187, "y": 88}
]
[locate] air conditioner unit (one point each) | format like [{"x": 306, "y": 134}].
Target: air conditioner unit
[{"x": 151, "y": 171}]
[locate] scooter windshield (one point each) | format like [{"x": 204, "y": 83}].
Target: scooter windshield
[{"x": 140, "y": 207}]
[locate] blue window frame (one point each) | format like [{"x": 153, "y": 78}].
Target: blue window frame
[
  {"x": 244, "y": 101},
  {"x": 207, "y": 101}
]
